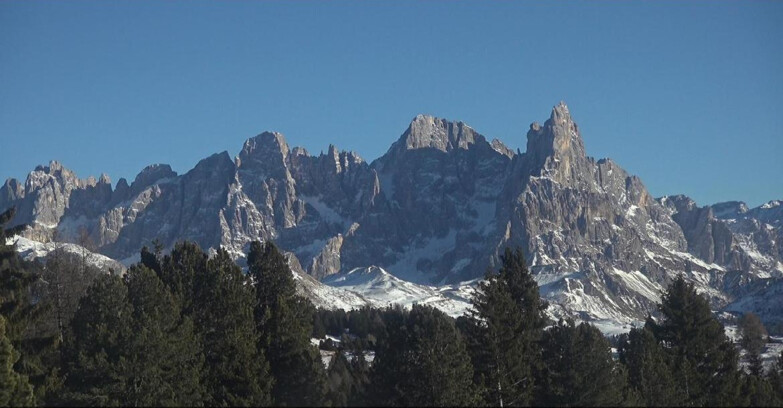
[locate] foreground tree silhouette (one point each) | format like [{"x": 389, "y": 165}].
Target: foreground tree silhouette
[
  {"x": 37, "y": 349},
  {"x": 503, "y": 332},
  {"x": 131, "y": 346},
  {"x": 236, "y": 373},
  {"x": 754, "y": 336},
  {"x": 579, "y": 369},
  {"x": 215, "y": 295},
  {"x": 422, "y": 362},
  {"x": 285, "y": 321},
  {"x": 704, "y": 361},
  {"x": 649, "y": 369},
  {"x": 15, "y": 390}
]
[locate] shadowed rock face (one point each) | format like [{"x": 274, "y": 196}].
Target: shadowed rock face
[{"x": 437, "y": 208}]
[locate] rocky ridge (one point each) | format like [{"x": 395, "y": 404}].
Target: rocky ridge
[{"x": 435, "y": 210}]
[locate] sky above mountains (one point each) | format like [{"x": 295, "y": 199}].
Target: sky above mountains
[{"x": 686, "y": 95}]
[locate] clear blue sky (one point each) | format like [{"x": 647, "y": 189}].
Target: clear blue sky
[{"x": 689, "y": 96}]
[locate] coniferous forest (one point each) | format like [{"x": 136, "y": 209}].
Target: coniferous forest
[{"x": 189, "y": 329}]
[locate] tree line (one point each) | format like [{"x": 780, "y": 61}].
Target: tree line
[{"x": 186, "y": 328}]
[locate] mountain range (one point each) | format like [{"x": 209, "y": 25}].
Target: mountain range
[{"x": 425, "y": 221}]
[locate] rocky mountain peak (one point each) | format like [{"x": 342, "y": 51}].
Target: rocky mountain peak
[
  {"x": 558, "y": 137},
  {"x": 104, "y": 179},
  {"x": 10, "y": 191},
  {"x": 217, "y": 162},
  {"x": 152, "y": 174},
  {"x": 430, "y": 132},
  {"x": 266, "y": 146},
  {"x": 437, "y": 208},
  {"x": 556, "y": 150},
  {"x": 560, "y": 114}
]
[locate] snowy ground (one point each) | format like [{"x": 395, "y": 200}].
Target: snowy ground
[
  {"x": 31, "y": 250},
  {"x": 382, "y": 289}
]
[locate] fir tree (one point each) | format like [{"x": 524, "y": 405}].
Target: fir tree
[
  {"x": 754, "y": 337},
  {"x": 756, "y": 391},
  {"x": 164, "y": 352},
  {"x": 179, "y": 271},
  {"x": 503, "y": 332},
  {"x": 579, "y": 369},
  {"x": 131, "y": 346},
  {"x": 284, "y": 321},
  {"x": 649, "y": 371},
  {"x": 422, "y": 362},
  {"x": 15, "y": 390},
  {"x": 360, "y": 373},
  {"x": 704, "y": 359},
  {"x": 37, "y": 350},
  {"x": 340, "y": 380},
  {"x": 97, "y": 347},
  {"x": 235, "y": 373},
  {"x": 775, "y": 378}
]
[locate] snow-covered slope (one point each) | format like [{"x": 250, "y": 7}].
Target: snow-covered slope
[
  {"x": 31, "y": 250},
  {"x": 383, "y": 289}
]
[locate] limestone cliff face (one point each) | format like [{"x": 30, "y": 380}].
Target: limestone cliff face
[{"x": 437, "y": 208}]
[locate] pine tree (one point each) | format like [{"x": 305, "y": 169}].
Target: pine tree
[
  {"x": 579, "y": 369},
  {"x": 37, "y": 351},
  {"x": 754, "y": 337},
  {"x": 284, "y": 321},
  {"x": 422, "y": 362},
  {"x": 649, "y": 371},
  {"x": 235, "y": 373},
  {"x": 130, "y": 345},
  {"x": 164, "y": 352},
  {"x": 503, "y": 332},
  {"x": 215, "y": 295},
  {"x": 775, "y": 378},
  {"x": 339, "y": 380},
  {"x": 360, "y": 373},
  {"x": 704, "y": 359},
  {"x": 179, "y": 271},
  {"x": 15, "y": 390},
  {"x": 756, "y": 391},
  {"x": 97, "y": 347}
]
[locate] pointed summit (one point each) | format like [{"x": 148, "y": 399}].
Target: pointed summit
[
  {"x": 560, "y": 113},
  {"x": 558, "y": 136},
  {"x": 556, "y": 148}
]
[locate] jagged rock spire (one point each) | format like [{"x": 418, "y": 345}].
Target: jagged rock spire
[{"x": 556, "y": 149}]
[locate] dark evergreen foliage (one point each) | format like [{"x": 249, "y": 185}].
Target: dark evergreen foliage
[
  {"x": 579, "y": 369},
  {"x": 775, "y": 378},
  {"x": 649, "y": 369},
  {"x": 96, "y": 357},
  {"x": 503, "y": 333},
  {"x": 285, "y": 321},
  {"x": 15, "y": 389},
  {"x": 754, "y": 336},
  {"x": 131, "y": 346},
  {"x": 180, "y": 270},
  {"x": 36, "y": 350},
  {"x": 422, "y": 362},
  {"x": 236, "y": 373},
  {"x": 704, "y": 361},
  {"x": 340, "y": 380},
  {"x": 184, "y": 329}
]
